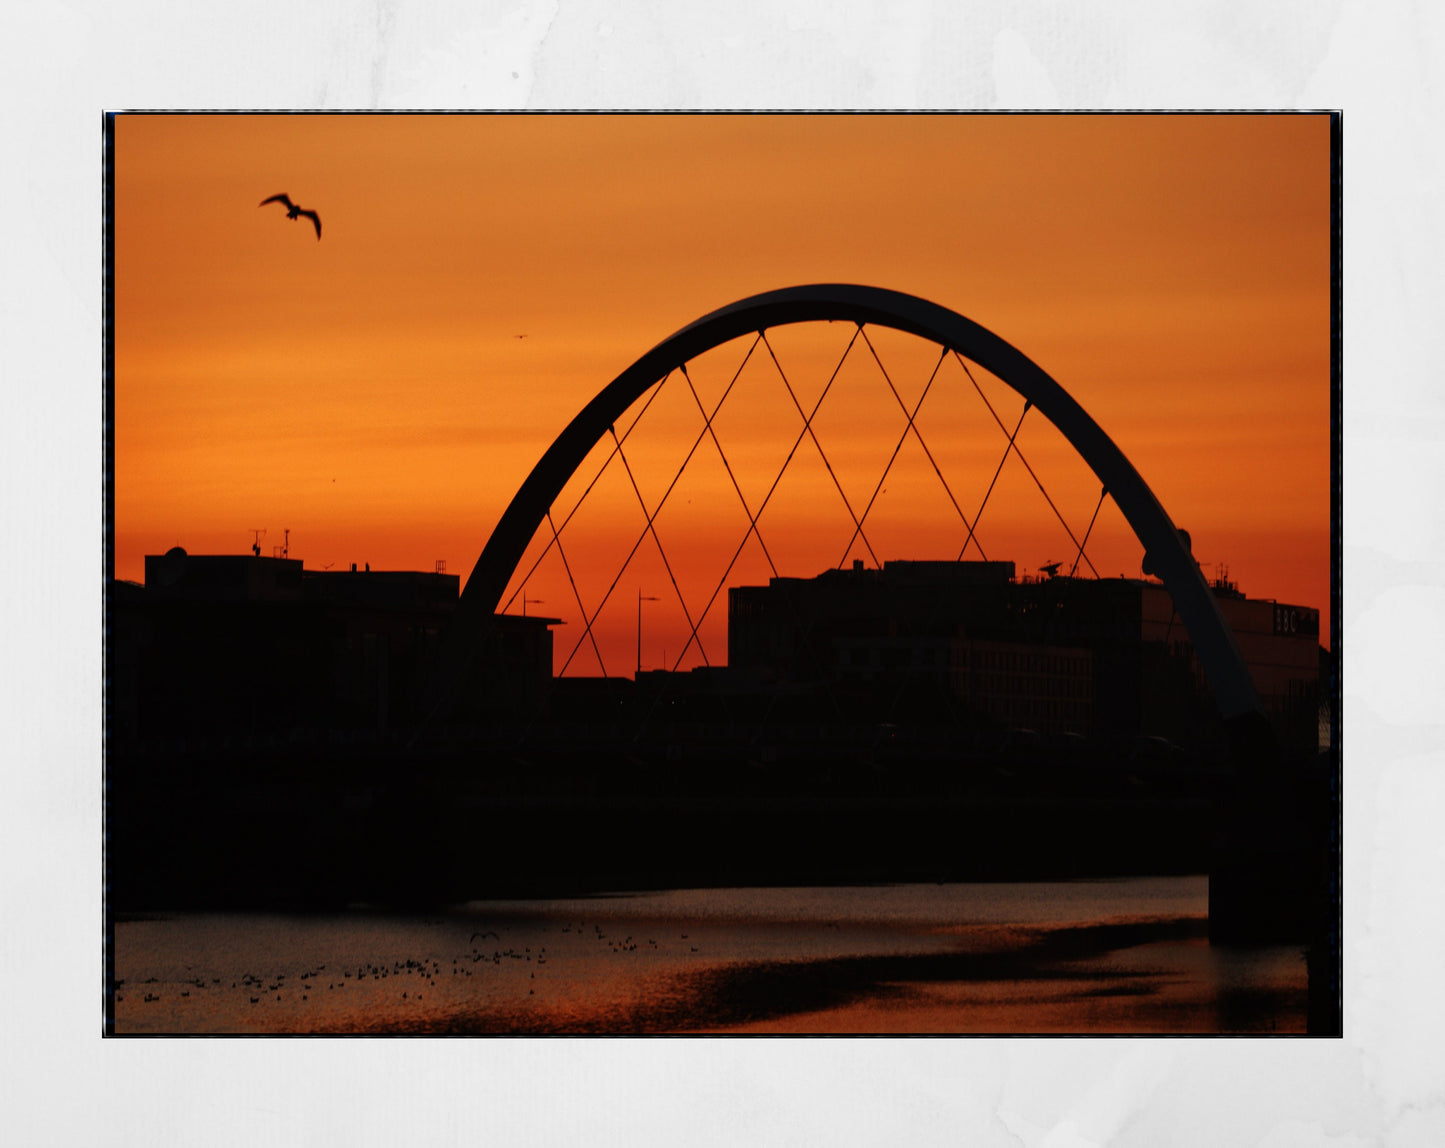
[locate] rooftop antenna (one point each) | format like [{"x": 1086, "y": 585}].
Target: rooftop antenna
[
  {"x": 256, "y": 536},
  {"x": 286, "y": 545}
]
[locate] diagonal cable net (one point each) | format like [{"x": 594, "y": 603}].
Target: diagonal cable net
[
  {"x": 753, "y": 530},
  {"x": 698, "y": 606},
  {"x": 1103, "y": 494},
  {"x": 808, "y": 431},
  {"x": 805, "y": 626},
  {"x": 805, "y": 432},
  {"x": 577, "y": 594},
  {"x": 590, "y": 621},
  {"x": 576, "y": 506},
  {"x": 910, "y": 427},
  {"x": 1019, "y": 454},
  {"x": 662, "y": 553}
]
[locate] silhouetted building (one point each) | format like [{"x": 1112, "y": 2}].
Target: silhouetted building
[
  {"x": 1108, "y": 659},
  {"x": 230, "y": 647},
  {"x": 913, "y": 641},
  {"x": 511, "y": 676},
  {"x": 1027, "y": 685}
]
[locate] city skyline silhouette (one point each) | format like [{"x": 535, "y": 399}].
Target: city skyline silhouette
[{"x": 378, "y": 404}]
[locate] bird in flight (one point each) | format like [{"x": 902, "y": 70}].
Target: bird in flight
[{"x": 292, "y": 211}]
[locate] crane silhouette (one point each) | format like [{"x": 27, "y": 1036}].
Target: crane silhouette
[{"x": 292, "y": 211}]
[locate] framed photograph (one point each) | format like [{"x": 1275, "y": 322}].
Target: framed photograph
[{"x": 621, "y": 574}]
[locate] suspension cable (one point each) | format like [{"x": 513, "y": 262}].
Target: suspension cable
[
  {"x": 797, "y": 442},
  {"x": 737, "y": 488},
  {"x": 913, "y": 426},
  {"x": 752, "y": 529},
  {"x": 696, "y": 443},
  {"x": 977, "y": 518},
  {"x": 666, "y": 565},
  {"x": 1103, "y": 494},
  {"x": 601, "y": 665},
  {"x": 656, "y": 390},
  {"x": 808, "y": 430},
  {"x": 1022, "y": 459},
  {"x": 909, "y": 426}
]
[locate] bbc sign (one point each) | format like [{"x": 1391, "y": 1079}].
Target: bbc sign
[{"x": 1296, "y": 620}]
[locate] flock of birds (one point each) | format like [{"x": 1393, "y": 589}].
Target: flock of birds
[{"x": 411, "y": 978}]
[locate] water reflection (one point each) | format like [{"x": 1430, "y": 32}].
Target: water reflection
[{"x": 1114, "y": 956}]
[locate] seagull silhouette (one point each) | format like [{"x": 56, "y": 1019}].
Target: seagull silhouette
[{"x": 292, "y": 211}]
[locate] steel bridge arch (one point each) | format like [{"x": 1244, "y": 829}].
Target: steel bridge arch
[{"x": 1167, "y": 553}]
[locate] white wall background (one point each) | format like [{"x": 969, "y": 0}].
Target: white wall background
[{"x": 63, "y": 64}]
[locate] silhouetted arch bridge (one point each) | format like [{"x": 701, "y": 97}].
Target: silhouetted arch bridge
[{"x": 1167, "y": 553}]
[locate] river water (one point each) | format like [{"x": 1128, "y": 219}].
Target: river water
[{"x": 1114, "y": 956}]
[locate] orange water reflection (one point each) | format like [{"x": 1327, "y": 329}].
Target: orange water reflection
[{"x": 1022, "y": 958}]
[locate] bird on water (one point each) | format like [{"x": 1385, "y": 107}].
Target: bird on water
[{"x": 293, "y": 212}]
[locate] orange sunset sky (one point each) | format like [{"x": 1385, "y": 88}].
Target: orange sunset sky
[{"x": 369, "y": 392}]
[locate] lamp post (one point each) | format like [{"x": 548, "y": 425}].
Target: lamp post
[{"x": 640, "y": 599}]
